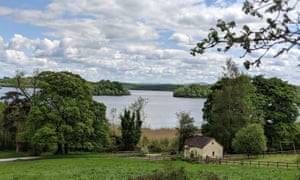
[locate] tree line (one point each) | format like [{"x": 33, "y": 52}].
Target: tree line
[
  {"x": 110, "y": 88},
  {"x": 192, "y": 91},
  {"x": 100, "y": 88},
  {"x": 60, "y": 112},
  {"x": 60, "y": 115}
]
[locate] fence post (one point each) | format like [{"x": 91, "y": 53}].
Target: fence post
[
  {"x": 287, "y": 165},
  {"x": 277, "y": 164}
]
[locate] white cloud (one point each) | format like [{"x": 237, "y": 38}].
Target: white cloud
[{"x": 135, "y": 41}]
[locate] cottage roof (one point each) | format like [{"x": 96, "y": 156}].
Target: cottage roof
[{"x": 198, "y": 141}]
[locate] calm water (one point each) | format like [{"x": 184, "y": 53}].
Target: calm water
[{"x": 160, "y": 111}]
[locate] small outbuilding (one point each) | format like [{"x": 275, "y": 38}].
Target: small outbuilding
[{"x": 202, "y": 147}]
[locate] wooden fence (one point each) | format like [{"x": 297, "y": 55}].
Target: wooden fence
[
  {"x": 262, "y": 163},
  {"x": 265, "y": 154}
]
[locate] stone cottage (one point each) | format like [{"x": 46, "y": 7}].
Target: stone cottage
[{"x": 202, "y": 147}]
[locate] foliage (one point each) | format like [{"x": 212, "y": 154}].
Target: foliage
[
  {"x": 152, "y": 87},
  {"x": 192, "y": 91},
  {"x": 280, "y": 30},
  {"x": 3, "y": 132},
  {"x": 14, "y": 116},
  {"x": 103, "y": 87},
  {"x": 278, "y": 101},
  {"x": 229, "y": 107},
  {"x": 236, "y": 102},
  {"x": 185, "y": 130},
  {"x": 162, "y": 145},
  {"x": 250, "y": 140},
  {"x": 139, "y": 105},
  {"x": 64, "y": 113},
  {"x": 109, "y": 88},
  {"x": 12, "y": 82},
  {"x": 131, "y": 124}
]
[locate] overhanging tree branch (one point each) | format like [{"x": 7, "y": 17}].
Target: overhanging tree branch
[{"x": 282, "y": 30}]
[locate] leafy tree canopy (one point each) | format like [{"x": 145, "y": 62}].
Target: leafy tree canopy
[
  {"x": 279, "y": 102},
  {"x": 185, "y": 130},
  {"x": 229, "y": 107},
  {"x": 250, "y": 140},
  {"x": 63, "y": 112}
]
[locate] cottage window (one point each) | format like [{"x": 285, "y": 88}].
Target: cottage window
[{"x": 213, "y": 153}]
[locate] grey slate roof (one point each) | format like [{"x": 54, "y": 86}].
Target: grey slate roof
[{"x": 198, "y": 141}]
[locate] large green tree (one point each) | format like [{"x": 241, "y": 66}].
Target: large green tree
[
  {"x": 14, "y": 116},
  {"x": 279, "y": 103},
  {"x": 185, "y": 130},
  {"x": 280, "y": 31},
  {"x": 63, "y": 112},
  {"x": 18, "y": 104},
  {"x": 229, "y": 107}
]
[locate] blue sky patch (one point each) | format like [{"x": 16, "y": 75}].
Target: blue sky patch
[
  {"x": 9, "y": 28},
  {"x": 25, "y": 4}
]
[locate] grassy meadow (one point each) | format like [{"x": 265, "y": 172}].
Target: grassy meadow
[{"x": 114, "y": 167}]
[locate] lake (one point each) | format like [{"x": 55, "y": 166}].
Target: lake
[{"x": 160, "y": 111}]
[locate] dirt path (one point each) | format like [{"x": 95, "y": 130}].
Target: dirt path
[{"x": 18, "y": 158}]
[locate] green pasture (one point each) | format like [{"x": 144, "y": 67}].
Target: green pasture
[{"x": 113, "y": 167}]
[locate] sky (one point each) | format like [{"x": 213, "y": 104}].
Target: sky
[{"x": 146, "y": 41}]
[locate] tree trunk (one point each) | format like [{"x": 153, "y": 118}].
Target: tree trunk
[
  {"x": 17, "y": 147},
  {"x": 17, "y": 143},
  {"x": 66, "y": 149},
  {"x": 59, "y": 149}
]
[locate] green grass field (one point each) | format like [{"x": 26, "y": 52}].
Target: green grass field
[
  {"x": 8, "y": 154},
  {"x": 110, "y": 167}
]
